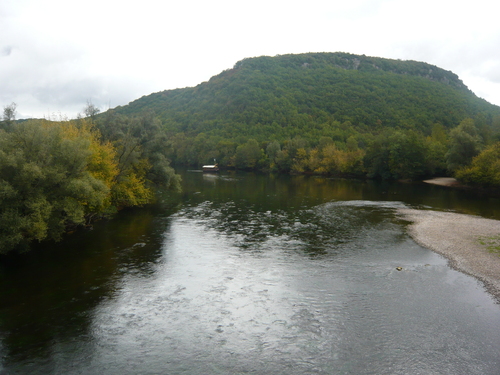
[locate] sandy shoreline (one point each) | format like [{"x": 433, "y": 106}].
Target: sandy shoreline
[{"x": 463, "y": 239}]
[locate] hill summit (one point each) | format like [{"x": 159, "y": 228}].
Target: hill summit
[{"x": 299, "y": 94}]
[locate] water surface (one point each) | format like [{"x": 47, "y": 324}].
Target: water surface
[{"x": 252, "y": 274}]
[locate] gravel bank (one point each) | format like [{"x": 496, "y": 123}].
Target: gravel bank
[{"x": 465, "y": 240}]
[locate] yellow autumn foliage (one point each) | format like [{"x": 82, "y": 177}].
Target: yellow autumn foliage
[{"x": 131, "y": 189}]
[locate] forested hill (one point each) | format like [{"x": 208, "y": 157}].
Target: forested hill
[{"x": 281, "y": 97}]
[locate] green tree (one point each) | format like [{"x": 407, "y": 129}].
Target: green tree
[
  {"x": 407, "y": 155},
  {"x": 91, "y": 111},
  {"x": 46, "y": 184},
  {"x": 397, "y": 155},
  {"x": 324, "y": 141},
  {"x": 352, "y": 143},
  {"x": 341, "y": 162},
  {"x": 484, "y": 169},
  {"x": 438, "y": 134},
  {"x": 377, "y": 157},
  {"x": 292, "y": 146},
  {"x": 464, "y": 144},
  {"x": 9, "y": 115},
  {"x": 283, "y": 161},
  {"x": 272, "y": 150},
  {"x": 225, "y": 152},
  {"x": 248, "y": 154},
  {"x": 435, "y": 160},
  {"x": 142, "y": 149},
  {"x": 56, "y": 175}
]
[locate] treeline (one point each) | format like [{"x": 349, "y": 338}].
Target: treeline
[
  {"x": 321, "y": 113},
  {"x": 58, "y": 175},
  {"x": 327, "y": 113},
  {"x": 388, "y": 154}
]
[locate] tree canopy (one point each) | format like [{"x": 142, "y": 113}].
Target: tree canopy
[
  {"x": 331, "y": 113},
  {"x": 313, "y": 95},
  {"x": 59, "y": 175}
]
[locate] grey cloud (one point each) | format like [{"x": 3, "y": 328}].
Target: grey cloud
[{"x": 7, "y": 50}]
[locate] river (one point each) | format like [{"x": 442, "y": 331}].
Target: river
[{"x": 252, "y": 274}]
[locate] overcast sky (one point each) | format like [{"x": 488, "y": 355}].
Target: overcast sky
[{"x": 55, "y": 55}]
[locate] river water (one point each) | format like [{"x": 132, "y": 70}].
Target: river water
[{"x": 252, "y": 274}]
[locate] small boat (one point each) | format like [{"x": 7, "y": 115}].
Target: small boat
[
  {"x": 214, "y": 168},
  {"x": 211, "y": 168}
]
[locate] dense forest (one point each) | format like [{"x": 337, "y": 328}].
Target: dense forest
[
  {"x": 327, "y": 113},
  {"x": 56, "y": 176},
  {"x": 334, "y": 114}
]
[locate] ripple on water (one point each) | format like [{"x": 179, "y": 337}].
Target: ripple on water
[
  {"x": 316, "y": 290},
  {"x": 309, "y": 291}
]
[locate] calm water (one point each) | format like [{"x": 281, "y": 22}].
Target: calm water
[{"x": 252, "y": 274}]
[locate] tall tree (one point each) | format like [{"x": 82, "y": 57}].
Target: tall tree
[
  {"x": 484, "y": 169},
  {"x": 91, "y": 111},
  {"x": 142, "y": 147},
  {"x": 51, "y": 175},
  {"x": 464, "y": 144},
  {"x": 248, "y": 154},
  {"x": 9, "y": 114}
]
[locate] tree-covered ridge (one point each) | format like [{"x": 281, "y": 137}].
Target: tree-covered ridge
[
  {"x": 280, "y": 97},
  {"x": 361, "y": 63},
  {"x": 328, "y": 113}
]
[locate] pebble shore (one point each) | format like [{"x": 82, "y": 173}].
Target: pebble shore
[{"x": 470, "y": 243}]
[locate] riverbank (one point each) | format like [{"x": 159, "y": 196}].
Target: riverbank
[{"x": 471, "y": 243}]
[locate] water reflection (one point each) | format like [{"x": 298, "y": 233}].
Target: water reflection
[
  {"x": 304, "y": 191},
  {"x": 251, "y": 274},
  {"x": 47, "y": 296}
]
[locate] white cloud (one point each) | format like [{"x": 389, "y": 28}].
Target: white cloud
[{"x": 55, "y": 55}]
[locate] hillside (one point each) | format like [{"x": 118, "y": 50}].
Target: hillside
[{"x": 275, "y": 98}]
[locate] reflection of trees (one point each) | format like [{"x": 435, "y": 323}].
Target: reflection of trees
[
  {"x": 315, "y": 231},
  {"x": 47, "y": 295},
  {"x": 253, "y": 208},
  {"x": 273, "y": 191}
]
